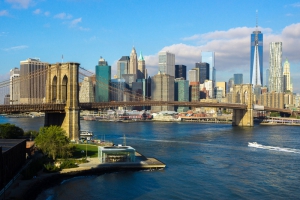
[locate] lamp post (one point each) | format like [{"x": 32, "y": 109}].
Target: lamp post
[{"x": 86, "y": 149}]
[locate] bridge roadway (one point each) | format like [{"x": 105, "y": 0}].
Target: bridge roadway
[{"x": 60, "y": 108}]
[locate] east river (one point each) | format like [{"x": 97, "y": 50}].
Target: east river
[{"x": 204, "y": 161}]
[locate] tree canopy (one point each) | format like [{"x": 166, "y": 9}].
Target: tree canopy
[
  {"x": 10, "y": 131},
  {"x": 53, "y": 141}
]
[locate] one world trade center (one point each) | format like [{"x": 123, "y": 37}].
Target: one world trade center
[{"x": 256, "y": 63}]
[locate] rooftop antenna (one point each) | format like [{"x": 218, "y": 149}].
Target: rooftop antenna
[{"x": 256, "y": 19}]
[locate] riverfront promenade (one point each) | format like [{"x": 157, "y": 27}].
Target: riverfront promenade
[{"x": 28, "y": 189}]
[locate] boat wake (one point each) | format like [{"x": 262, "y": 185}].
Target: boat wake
[{"x": 272, "y": 148}]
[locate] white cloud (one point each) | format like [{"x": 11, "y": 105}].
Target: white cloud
[
  {"x": 16, "y": 48},
  {"x": 37, "y": 11},
  {"x": 296, "y": 4},
  {"x": 75, "y": 22},
  {"x": 3, "y": 13},
  {"x": 232, "y": 50},
  {"x": 47, "y": 13},
  {"x": 63, "y": 16},
  {"x": 20, "y": 3}
]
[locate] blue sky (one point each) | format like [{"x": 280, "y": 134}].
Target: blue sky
[{"x": 84, "y": 30}]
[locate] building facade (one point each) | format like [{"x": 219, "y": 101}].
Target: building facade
[
  {"x": 86, "y": 92},
  {"x": 209, "y": 57},
  {"x": 119, "y": 90},
  {"x": 276, "y": 71},
  {"x": 203, "y": 71},
  {"x": 141, "y": 72},
  {"x": 238, "y": 78},
  {"x": 122, "y": 66},
  {"x": 32, "y": 81},
  {"x": 181, "y": 93},
  {"x": 133, "y": 62},
  {"x": 287, "y": 86},
  {"x": 162, "y": 89},
  {"x": 166, "y": 63},
  {"x": 103, "y": 77},
  {"x": 14, "y": 89},
  {"x": 256, "y": 58},
  {"x": 180, "y": 71}
]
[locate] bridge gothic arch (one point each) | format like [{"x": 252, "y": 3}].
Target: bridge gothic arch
[
  {"x": 62, "y": 87},
  {"x": 243, "y": 94}
]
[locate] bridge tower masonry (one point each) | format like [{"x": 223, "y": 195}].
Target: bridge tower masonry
[
  {"x": 243, "y": 94},
  {"x": 62, "y": 87}
]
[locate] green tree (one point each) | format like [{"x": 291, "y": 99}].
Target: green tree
[
  {"x": 10, "y": 131},
  {"x": 53, "y": 141},
  {"x": 31, "y": 133}
]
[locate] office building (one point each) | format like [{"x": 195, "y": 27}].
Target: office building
[
  {"x": 166, "y": 63},
  {"x": 86, "y": 91},
  {"x": 119, "y": 90},
  {"x": 32, "y": 81},
  {"x": 230, "y": 85},
  {"x": 181, "y": 93},
  {"x": 267, "y": 78},
  {"x": 222, "y": 85},
  {"x": 209, "y": 87},
  {"x": 238, "y": 78},
  {"x": 209, "y": 57},
  {"x": 122, "y": 66},
  {"x": 286, "y": 77},
  {"x": 180, "y": 71},
  {"x": 276, "y": 71},
  {"x": 256, "y": 58},
  {"x": 141, "y": 72},
  {"x": 103, "y": 77},
  {"x": 203, "y": 71},
  {"x": 162, "y": 89},
  {"x": 14, "y": 86},
  {"x": 194, "y": 75},
  {"x": 194, "y": 91},
  {"x": 133, "y": 62}
]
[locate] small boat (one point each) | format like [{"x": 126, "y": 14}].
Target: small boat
[{"x": 254, "y": 144}]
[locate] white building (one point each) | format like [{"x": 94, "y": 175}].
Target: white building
[
  {"x": 287, "y": 77},
  {"x": 193, "y": 76},
  {"x": 166, "y": 63},
  {"x": 276, "y": 71},
  {"x": 208, "y": 84},
  {"x": 14, "y": 87}
]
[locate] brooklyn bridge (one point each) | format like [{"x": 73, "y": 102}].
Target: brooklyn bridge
[{"x": 62, "y": 107}]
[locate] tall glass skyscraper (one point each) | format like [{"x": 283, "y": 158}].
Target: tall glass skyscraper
[
  {"x": 256, "y": 58},
  {"x": 238, "y": 78},
  {"x": 103, "y": 77},
  {"x": 209, "y": 57}
]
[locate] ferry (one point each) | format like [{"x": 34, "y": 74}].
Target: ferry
[{"x": 87, "y": 135}]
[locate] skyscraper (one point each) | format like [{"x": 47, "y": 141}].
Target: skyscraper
[
  {"x": 286, "y": 77},
  {"x": 103, "y": 77},
  {"x": 32, "y": 81},
  {"x": 181, "y": 93},
  {"x": 166, "y": 63},
  {"x": 122, "y": 66},
  {"x": 14, "y": 86},
  {"x": 256, "y": 57},
  {"x": 133, "y": 62},
  {"x": 141, "y": 72},
  {"x": 162, "y": 89},
  {"x": 180, "y": 71},
  {"x": 238, "y": 78},
  {"x": 203, "y": 71},
  {"x": 209, "y": 57},
  {"x": 276, "y": 72}
]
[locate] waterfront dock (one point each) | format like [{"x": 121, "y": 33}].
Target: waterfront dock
[
  {"x": 141, "y": 163},
  {"x": 219, "y": 119}
]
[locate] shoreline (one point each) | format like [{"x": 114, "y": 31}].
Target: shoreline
[{"x": 30, "y": 189}]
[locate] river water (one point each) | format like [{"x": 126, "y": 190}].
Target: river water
[{"x": 204, "y": 161}]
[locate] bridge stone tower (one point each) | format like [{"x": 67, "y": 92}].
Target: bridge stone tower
[
  {"x": 62, "y": 87},
  {"x": 243, "y": 94}
]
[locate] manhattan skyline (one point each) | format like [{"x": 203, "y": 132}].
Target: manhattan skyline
[{"x": 82, "y": 31}]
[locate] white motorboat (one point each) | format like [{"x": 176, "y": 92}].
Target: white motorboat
[{"x": 254, "y": 144}]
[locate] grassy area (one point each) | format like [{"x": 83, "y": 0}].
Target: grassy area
[{"x": 92, "y": 151}]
